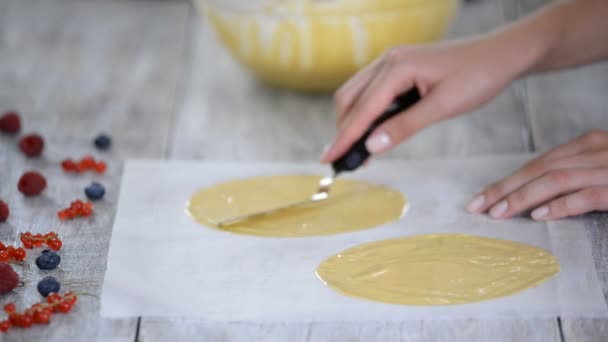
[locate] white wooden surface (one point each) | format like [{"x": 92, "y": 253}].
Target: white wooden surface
[{"x": 152, "y": 74}]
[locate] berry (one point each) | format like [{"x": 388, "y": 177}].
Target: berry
[
  {"x": 51, "y": 239},
  {"x": 53, "y": 298},
  {"x": 4, "y": 211},
  {"x": 5, "y": 256},
  {"x": 100, "y": 167},
  {"x": 69, "y": 165},
  {"x": 63, "y": 307},
  {"x": 8, "y": 278},
  {"x": 54, "y": 244},
  {"x": 9, "y": 307},
  {"x": 25, "y": 321},
  {"x": 95, "y": 191},
  {"x": 19, "y": 254},
  {"x": 42, "y": 317},
  {"x": 88, "y": 162},
  {"x": 77, "y": 208},
  {"x": 48, "y": 285},
  {"x": 10, "y": 122},
  {"x": 102, "y": 142},
  {"x": 32, "y": 145},
  {"x": 5, "y": 325},
  {"x": 31, "y": 183},
  {"x": 48, "y": 260}
]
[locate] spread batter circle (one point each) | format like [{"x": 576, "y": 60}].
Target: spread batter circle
[
  {"x": 437, "y": 269},
  {"x": 352, "y": 205}
]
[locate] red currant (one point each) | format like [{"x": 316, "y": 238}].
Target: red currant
[
  {"x": 69, "y": 165},
  {"x": 9, "y": 307},
  {"x": 5, "y": 256},
  {"x": 42, "y": 317},
  {"x": 101, "y": 167},
  {"x": 5, "y": 326},
  {"x": 63, "y": 307},
  {"x": 19, "y": 254},
  {"x": 54, "y": 244},
  {"x": 53, "y": 298}
]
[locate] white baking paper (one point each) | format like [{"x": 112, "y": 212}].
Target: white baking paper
[{"x": 162, "y": 263}]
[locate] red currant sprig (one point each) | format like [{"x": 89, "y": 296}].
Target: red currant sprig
[
  {"x": 51, "y": 239},
  {"x": 10, "y": 253},
  {"x": 39, "y": 313},
  {"x": 86, "y": 163},
  {"x": 77, "y": 208}
]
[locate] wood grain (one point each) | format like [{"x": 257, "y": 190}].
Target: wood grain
[{"x": 73, "y": 69}]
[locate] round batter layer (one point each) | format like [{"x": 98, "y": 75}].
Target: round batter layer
[
  {"x": 352, "y": 205},
  {"x": 438, "y": 269}
]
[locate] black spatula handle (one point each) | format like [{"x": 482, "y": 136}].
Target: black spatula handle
[{"x": 358, "y": 153}]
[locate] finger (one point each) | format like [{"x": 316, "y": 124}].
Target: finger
[
  {"x": 584, "y": 201},
  {"x": 347, "y": 94},
  {"x": 586, "y": 142},
  {"x": 426, "y": 112},
  {"x": 546, "y": 187},
  {"x": 380, "y": 93},
  {"x": 490, "y": 196}
]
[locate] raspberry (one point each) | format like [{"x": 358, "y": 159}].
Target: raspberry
[
  {"x": 4, "y": 211},
  {"x": 10, "y": 122},
  {"x": 32, "y": 145},
  {"x": 8, "y": 278},
  {"x": 31, "y": 183}
]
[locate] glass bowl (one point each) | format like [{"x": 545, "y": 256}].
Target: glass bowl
[{"x": 316, "y": 45}]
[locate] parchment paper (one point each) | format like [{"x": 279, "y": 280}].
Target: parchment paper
[{"x": 162, "y": 263}]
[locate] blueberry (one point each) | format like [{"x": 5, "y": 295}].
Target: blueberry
[
  {"x": 102, "y": 142},
  {"x": 95, "y": 191},
  {"x": 48, "y": 285},
  {"x": 48, "y": 260}
]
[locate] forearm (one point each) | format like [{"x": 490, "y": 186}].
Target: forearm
[{"x": 562, "y": 35}]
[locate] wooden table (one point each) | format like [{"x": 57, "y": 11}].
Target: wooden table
[{"x": 153, "y": 75}]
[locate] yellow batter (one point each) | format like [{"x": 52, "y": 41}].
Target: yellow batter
[
  {"x": 438, "y": 269},
  {"x": 316, "y": 45},
  {"x": 352, "y": 205}
]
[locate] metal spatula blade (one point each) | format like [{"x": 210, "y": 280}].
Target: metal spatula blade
[
  {"x": 321, "y": 195},
  {"x": 350, "y": 161}
]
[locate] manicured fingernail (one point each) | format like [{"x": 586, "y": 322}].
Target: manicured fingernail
[
  {"x": 499, "y": 209},
  {"x": 540, "y": 213},
  {"x": 476, "y": 203},
  {"x": 325, "y": 150},
  {"x": 378, "y": 142}
]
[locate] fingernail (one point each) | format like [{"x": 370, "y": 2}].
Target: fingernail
[
  {"x": 540, "y": 213},
  {"x": 325, "y": 150},
  {"x": 378, "y": 142},
  {"x": 499, "y": 209},
  {"x": 476, "y": 203}
]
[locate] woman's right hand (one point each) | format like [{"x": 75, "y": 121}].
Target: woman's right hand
[{"x": 453, "y": 78}]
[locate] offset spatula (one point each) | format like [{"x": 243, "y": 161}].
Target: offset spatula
[{"x": 350, "y": 161}]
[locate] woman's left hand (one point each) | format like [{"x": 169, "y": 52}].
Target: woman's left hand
[{"x": 569, "y": 180}]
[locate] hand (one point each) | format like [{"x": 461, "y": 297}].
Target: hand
[
  {"x": 569, "y": 180},
  {"x": 453, "y": 78}
]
